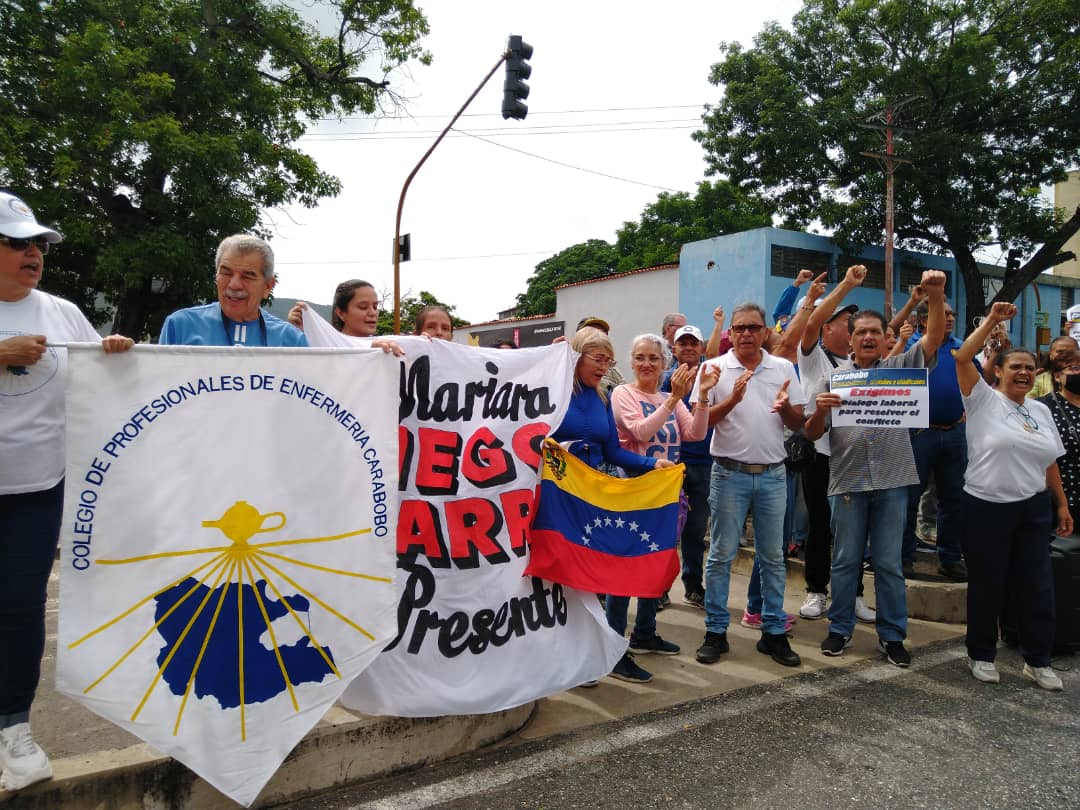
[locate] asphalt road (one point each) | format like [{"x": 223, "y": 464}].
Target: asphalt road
[{"x": 869, "y": 735}]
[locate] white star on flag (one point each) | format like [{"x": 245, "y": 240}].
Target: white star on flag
[{"x": 633, "y": 525}]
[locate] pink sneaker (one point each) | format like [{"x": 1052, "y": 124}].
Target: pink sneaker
[{"x": 753, "y": 620}]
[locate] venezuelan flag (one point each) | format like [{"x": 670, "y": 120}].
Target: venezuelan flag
[{"x": 603, "y": 534}]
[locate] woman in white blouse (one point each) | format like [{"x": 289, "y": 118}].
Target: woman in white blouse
[{"x": 1013, "y": 446}]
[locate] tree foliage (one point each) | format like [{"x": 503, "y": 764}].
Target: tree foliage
[
  {"x": 410, "y": 308},
  {"x": 665, "y": 226},
  {"x": 149, "y": 131},
  {"x": 582, "y": 262},
  {"x": 987, "y": 96},
  {"x": 675, "y": 219}
]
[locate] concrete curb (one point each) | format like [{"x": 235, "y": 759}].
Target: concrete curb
[
  {"x": 933, "y": 601},
  {"x": 343, "y": 749}
]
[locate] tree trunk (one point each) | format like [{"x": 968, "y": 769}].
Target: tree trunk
[{"x": 1049, "y": 255}]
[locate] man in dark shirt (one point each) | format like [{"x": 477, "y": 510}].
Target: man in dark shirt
[
  {"x": 940, "y": 450},
  {"x": 689, "y": 347}
]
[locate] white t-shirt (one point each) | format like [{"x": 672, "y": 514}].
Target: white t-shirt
[
  {"x": 814, "y": 370},
  {"x": 1009, "y": 446},
  {"x": 750, "y": 433},
  {"x": 32, "y": 397}
]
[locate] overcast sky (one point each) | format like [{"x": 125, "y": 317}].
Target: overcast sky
[{"x": 617, "y": 88}]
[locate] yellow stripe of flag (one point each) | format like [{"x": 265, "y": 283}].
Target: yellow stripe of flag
[{"x": 573, "y": 476}]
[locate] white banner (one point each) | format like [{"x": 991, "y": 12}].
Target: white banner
[
  {"x": 228, "y": 554},
  {"x": 474, "y": 635},
  {"x": 882, "y": 398}
]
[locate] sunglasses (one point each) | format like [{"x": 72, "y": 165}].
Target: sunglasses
[
  {"x": 24, "y": 244},
  {"x": 747, "y": 327}
]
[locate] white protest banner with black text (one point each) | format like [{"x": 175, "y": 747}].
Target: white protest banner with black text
[{"x": 474, "y": 635}]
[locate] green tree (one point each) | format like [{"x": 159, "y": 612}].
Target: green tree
[
  {"x": 987, "y": 96},
  {"x": 582, "y": 262},
  {"x": 675, "y": 219},
  {"x": 150, "y": 130},
  {"x": 410, "y": 308}
]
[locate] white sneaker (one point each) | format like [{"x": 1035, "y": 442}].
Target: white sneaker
[
  {"x": 984, "y": 671},
  {"x": 23, "y": 760},
  {"x": 863, "y": 613},
  {"x": 1045, "y": 677},
  {"x": 813, "y": 607}
]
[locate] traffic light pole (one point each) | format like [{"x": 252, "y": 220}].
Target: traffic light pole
[{"x": 405, "y": 188}]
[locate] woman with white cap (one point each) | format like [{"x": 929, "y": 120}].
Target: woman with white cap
[{"x": 32, "y": 372}]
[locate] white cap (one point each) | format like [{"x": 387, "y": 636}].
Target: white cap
[
  {"x": 683, "y": 331},
  {"x": 17, "y": 220}
]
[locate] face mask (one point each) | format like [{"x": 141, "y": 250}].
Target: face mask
[{"x": 1072, "y": 383}]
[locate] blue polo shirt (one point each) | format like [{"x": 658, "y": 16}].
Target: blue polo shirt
[{"x": 946, "y": 403}]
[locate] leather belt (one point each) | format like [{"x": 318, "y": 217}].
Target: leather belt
[{"x": 749, "y": 469}]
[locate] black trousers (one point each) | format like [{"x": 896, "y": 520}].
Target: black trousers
[
  {"x": 818, "y": 546},
  {"x": 29, "y": 530},
  {"x": 1007, "y": 548}
]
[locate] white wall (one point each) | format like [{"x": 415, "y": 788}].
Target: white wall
[{"x": 631, "y": 303}]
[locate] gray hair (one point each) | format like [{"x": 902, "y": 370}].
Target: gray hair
[
  {"x": 749, "y": 306},
  {"x": 661, "y": 345},
  {"x": 247, "y": 243},
  {"x": 669, "y": 320}
]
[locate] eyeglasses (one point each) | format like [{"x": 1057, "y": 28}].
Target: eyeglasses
[
  {"x": 739, "y": 328},
  {"x": 647, "y": 358},
  {"x": 24, "y": 244},
  {"x": 605, "y": 362},
  {"x": 1025, "y": 416}
]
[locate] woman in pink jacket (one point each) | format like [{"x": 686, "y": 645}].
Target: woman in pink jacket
[{"x": 654, "y": 424}]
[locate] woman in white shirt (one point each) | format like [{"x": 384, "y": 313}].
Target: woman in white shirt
[
  {"x": 1013, "y": 446},
  {"x": 32, "y": 371}
]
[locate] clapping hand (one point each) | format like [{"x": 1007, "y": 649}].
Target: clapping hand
[{"x": 782, "y": 401}]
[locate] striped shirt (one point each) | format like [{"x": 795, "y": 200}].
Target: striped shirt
[{"x": 863, "y": 459}]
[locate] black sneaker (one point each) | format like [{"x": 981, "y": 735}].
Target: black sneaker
[
  {"x": 835, "y": 644},
  {"x": 653, "y": 644},
  {"x": 954, "y": 570},
  {"x": 695, "y": 597},
  {"x": 714, "y": 646},
  {"x": 778, "y": 647},
  {"x": 895, "y": 652},
  {"x": 627, "y": 670}
]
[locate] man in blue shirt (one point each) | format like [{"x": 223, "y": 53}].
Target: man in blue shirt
[
  {"x": 689, "y": 348},
  {"x": 245, "y": 278},
  {"x": 940, "y": 450}
]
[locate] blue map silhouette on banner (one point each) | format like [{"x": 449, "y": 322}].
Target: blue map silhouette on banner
[{"x": 218, "y": 674}]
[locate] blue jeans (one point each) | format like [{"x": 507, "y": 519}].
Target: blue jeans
[
  {"x": 944, "y": 453},
  {"x": 29, "y": 530},
  {"x": 731, "y": 495},
  {"x": 616, "y": 607},
  {"x": 692, "y": 543},
  {"x": 877, "y": 517}
]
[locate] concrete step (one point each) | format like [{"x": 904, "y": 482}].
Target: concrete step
[{"x": 930, "y": 596}]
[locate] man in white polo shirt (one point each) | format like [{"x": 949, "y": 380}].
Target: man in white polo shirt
[{"x": 757, "y": 396}]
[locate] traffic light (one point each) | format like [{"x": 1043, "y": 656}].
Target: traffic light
[{"x": 515, "y": 89}]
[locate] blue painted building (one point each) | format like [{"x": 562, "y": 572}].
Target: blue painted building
[{"x": 758, "y": 265}]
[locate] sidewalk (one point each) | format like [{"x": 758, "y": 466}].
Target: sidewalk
[{"x": 97, "y": 765}]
